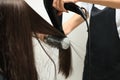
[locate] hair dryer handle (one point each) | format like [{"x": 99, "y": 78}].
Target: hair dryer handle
[{"x": 76, "y": 9}]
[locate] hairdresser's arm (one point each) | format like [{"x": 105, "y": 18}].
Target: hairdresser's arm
[
  {"x": 72, "y": 23},
  {"x": 59, "y": 4},
  {"x": 68, "y": 26},
  {"x": 109, "y": 3}
]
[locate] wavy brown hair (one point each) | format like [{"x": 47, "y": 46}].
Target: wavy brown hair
[{"x": 18, "y": 21}]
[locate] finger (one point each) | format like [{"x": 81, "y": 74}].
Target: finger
[
  {"x": 59, "y": 13},
  {"x": 59, "y": 5},
  {"x": 54, "y": 4}
]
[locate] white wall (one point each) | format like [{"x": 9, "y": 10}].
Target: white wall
[{"x": 78, "y": 39}]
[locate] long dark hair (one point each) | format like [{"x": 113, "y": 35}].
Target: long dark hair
[
  {"x": 15, "y": 41},
  {"x": 18, "y": 21},
  {"x": 39, "y": 25}
]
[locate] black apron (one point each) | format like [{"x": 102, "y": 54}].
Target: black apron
[{"x": 102, "y": 60}]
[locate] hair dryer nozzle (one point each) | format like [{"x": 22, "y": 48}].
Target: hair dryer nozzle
[{"x": 58, "y": 42}]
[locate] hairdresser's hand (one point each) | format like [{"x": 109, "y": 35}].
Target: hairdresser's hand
[
  {"x": 41, "y": 36},
  {"x": 59, "y": 5}
]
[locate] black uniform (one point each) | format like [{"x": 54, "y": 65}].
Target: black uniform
[{"x": 102, "y": 61}]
